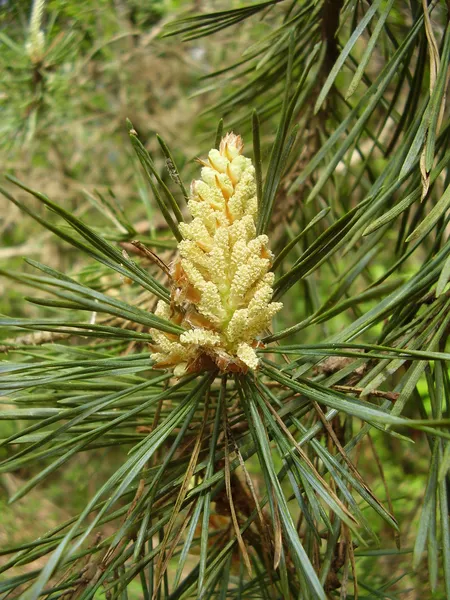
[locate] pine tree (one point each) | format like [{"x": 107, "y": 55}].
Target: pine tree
[{"x": 248, "y": 446}]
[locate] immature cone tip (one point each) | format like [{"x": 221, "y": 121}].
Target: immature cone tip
[{"x": 230, "y": 145}]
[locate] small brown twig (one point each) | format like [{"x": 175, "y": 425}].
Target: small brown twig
[
  {"x": 392, "y": 396},
  {"x": 154, "y": 258}
]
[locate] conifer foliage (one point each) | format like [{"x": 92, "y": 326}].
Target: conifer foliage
[{"x": 286, "y": 330}]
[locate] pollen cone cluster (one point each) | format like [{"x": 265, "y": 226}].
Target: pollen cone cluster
[{"x": 222, "y": 286}]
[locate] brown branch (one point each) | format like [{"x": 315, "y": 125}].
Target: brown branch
[{"x": 330, "y": 24}]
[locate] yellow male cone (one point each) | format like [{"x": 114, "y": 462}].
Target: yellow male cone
[{"x": 222, "y": 286}]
